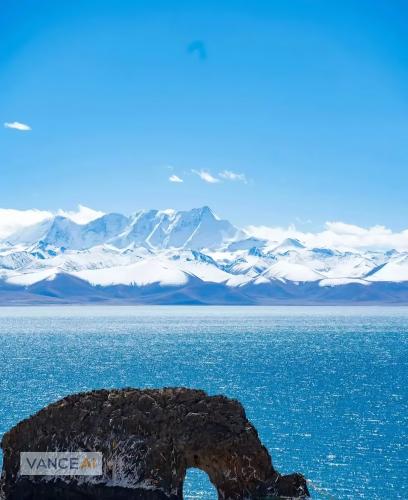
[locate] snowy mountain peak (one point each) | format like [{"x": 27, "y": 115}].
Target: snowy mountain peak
[
  {"x": 170, "y": 249},
  {"x": 207, "y": 212},
  {"x": 288, "y": 244},
  {"x": 82, "y": 215},
  {"x": 157, "y": 229}
]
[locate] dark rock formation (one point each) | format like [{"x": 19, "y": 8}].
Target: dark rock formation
[{"x": 149, "y": 438}]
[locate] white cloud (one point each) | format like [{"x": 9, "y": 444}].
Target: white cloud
[
  {"x": 226, "y": 175},
  {"x": 175, "y": 178},
  {"x": 18, "y": 126},
  {"x": 206, "y": 176},
  {"x": 12, "y": 220},
  {"x": 338, "y": 235},
  {"x": 232, "y": 176}
]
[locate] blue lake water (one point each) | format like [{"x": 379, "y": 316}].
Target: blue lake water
[{"x": 325, "y": 387}]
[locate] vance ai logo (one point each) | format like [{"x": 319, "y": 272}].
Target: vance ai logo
[{"x": 66, "y": 463}]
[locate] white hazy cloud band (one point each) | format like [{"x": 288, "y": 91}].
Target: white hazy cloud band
[
  {"x": 229, "y": 175},
  {"x": 18, "y": 126},
  {"x": 175, "y": 178},
  {"x": 335, "y": 235},
  {"x": 206, "y": 176},
  {"x": 338, "y": 235},
  {"x": 226, "y": 175},
  {"x": 13, "y": 220}
]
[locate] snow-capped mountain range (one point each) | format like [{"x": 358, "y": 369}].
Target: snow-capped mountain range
[{"x": 185, "y": 257}]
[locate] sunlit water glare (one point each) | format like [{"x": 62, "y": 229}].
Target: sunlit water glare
[{"x": 325, "y": 387}]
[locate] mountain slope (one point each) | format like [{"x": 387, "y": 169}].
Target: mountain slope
[{"x": 193, "y": 256}]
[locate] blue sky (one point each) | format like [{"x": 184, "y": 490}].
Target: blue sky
[{"x": 306, "y": 101}]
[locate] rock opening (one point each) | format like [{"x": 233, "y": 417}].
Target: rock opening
[{"x": 197, "y": 486}]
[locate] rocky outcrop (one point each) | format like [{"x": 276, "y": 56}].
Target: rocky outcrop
[{"x": 148, "y": 438}]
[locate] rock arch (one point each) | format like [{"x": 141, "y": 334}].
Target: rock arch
[{"x": 149, "y": 438}]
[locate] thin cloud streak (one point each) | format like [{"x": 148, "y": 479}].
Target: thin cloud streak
[
  {"x": 225, "y": 175},
  {"x": 22, "y": 127},
  {"x": 206, "y": 176},
  {"x": 229, "y": 175},
  {"x": 175, "y": 178}
]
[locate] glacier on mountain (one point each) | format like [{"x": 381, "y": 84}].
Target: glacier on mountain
[{"x": 193, "y": 256}]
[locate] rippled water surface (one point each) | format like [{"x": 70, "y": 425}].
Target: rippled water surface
[{"x": 325, "y": 387}]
